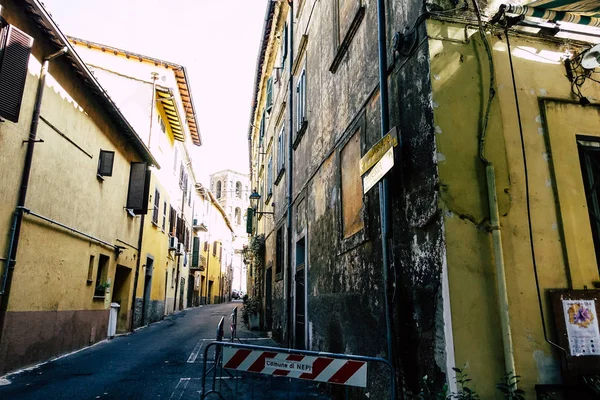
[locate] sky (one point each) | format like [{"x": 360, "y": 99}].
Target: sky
[{"x": 216, "y": 40}]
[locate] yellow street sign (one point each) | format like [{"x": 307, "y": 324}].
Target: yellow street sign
[{"x": 378, "y": 150}]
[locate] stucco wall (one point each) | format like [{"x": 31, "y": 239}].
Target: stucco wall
[
  {"x": 460, "y": 81},
  {"x": 50, "y": 286}
]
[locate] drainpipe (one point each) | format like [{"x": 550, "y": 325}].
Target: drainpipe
[
  {"x": 384, "y": 216},
  {"x": 143, "y": 218},
  {"x": 137, "y": 273},
  {"x": 15, "y": 231},
  {"x": 509, "y": 355},
  {"x": 507, "y": 343},
  {"x": 207, "y": 264},
  {"x": 290, "y": 171}
]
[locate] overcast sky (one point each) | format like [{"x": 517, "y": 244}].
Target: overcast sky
[{"x": 217, "y": 40}]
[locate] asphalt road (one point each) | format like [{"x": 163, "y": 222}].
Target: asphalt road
[{"x": 161, "y": 361}]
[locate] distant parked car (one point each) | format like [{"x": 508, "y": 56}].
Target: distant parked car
[{"x": 235, "y": 295}]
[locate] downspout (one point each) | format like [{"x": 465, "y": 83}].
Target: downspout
[
  {"x": 384, "y": 202},
  {"x": 509, "y": 357},
  {"x": 290, "y": 173},
  {"x": 507, "y": 343},
  {"x": 137, "y": 273},
  {"x": 207, "y": 264},
  {"x": 142, "y": 220},
  {"x": 15, "y": 231}
]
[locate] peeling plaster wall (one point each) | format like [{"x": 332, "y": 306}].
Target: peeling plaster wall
[
  {"x": 344, "y": 276},
  {"x": 460, "y": 81}
]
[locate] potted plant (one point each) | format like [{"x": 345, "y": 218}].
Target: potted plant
[
  {"x": 101, "y": 288},
  {"x": 251, "y": 312}
]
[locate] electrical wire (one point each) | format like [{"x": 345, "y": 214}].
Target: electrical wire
[
  {"x": 578, "y": 76},
  {"x": 492, "y": 91},
  {"x": 527, "y": 197}
]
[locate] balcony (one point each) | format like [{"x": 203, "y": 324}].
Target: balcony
[
  {"x": 199, "y": 226},
  {"x": 201, "y": 266}
]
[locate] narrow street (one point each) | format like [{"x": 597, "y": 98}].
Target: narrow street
[{"x": 162, "y": 361}]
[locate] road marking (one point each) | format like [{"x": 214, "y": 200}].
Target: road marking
[
  {"x": 194, "y": 355},
  {"x": 179, "y": 389}
]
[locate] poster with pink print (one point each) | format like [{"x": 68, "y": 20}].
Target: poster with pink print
[{"x": 582, "y": 327}]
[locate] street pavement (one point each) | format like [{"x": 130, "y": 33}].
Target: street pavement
[{"x": 161, "y": 361}]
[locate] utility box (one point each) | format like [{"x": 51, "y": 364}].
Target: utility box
[{"x": 112, "y": 319}]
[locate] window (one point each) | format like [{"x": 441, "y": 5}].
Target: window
[
  {"x": 90, "y": 274},
  {"x": 161, "y": 123},
  {"x": 215, "y": 248},
  {"x": 283, "y": 49},
  {"x": 172, "y": 221},
  {"x": 205, "y": 246},
  {"x": 238, "y": 189},
  {"x": 101, "y": 276},
  {"x": 156, "y": 210},
  {"x": 262, "y": 130},
  {"x": 164, "y": 223},
  {"x": 139, "y": 187},
  {"x": 269, "y": 105},
  {"x": 175, "y": 156},
  {"x": 352, "y": 190},
  {"x": 279, "y": 256},
  {"x": 589, "y": 158},
  {"x": 270, "y": 176},
  {"x": 301, "y": 105},
  {"x": 347, "y": 16},
  {"x": 238, "y": 216},
  {"x": 281, "y": 150},
  {"x": 15, "y": 48},
  {"x": 218, "y": 189},
  {"x": 105, "y": 163}
]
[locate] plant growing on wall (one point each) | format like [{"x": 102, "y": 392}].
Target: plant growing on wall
[
  {"x": 101, "y": 288},
  {"x": 508, "y": 387},
  {"x": 251, "y": 306}
]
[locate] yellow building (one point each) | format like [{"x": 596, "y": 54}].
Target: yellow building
[
  {"x": 169, "y": 129},
  {"x": 483, "y": 251},
  {"x": 541, "y": 141},
  {"x": 68, "y": 209},
  {"x": 215, "y": 250}
]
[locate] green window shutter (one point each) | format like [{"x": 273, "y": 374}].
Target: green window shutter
[
  {"x": 269, "y": 94},
  {"x": 249, "y": 218},
  {"x": 196, "y": 252}
]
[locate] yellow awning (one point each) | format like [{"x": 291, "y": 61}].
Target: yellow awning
[{"x": 166, "y": 104}]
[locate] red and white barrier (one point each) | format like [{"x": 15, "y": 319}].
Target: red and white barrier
[{"x": 321, "y": 369}]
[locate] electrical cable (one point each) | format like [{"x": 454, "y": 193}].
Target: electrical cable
[
  {"x": 492, "y": 91},
  {"x": 528, "y": 200}
]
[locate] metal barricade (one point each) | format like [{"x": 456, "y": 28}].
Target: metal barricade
[{"x": 250, "y": 372}]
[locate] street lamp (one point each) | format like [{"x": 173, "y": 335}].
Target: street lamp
[{"x": 254, "y": 199}]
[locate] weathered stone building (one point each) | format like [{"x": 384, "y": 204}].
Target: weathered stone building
[{"x": 459, "y": 180}]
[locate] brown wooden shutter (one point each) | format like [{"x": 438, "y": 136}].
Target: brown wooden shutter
[
  {"x": 105, "y": 163},
  {"x": 139, "y": 187},
  {"x": 15, "y": 47},
  {"x": 156, "y": 206}
]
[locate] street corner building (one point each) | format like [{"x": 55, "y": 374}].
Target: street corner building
[
  {"x": 488, "y": 205},
  {"x": 74, "y": 177}
]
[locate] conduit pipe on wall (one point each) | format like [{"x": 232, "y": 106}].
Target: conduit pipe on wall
[
  {"x": 18, "y": 215},
  {"x": 289, "y": 177},
  {"x": 507, "y": 343},
  {"x": 384, "y": 215},
  {"x": 503, "y": 307}
]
